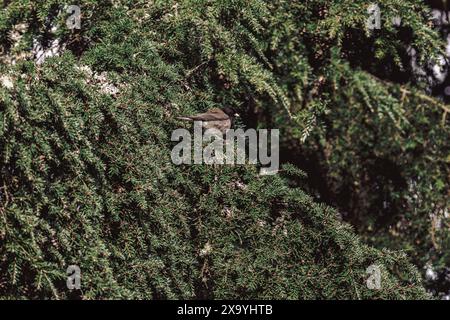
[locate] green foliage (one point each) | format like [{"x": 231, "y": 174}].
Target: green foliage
[{"x": 86, "y": 176}]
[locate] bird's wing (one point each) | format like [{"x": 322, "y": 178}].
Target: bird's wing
[{"x": 214, "y": 114}]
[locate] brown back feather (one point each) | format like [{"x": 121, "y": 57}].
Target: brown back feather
[{"x": 214, "y": 114}]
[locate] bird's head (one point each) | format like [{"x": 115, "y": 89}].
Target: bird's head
[{"x": 230, "y": 112}]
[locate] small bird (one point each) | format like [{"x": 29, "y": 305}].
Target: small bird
[{"x": 221, "y": 119}]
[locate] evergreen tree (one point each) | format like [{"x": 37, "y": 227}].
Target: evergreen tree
[{"x": 86, "y": 176}]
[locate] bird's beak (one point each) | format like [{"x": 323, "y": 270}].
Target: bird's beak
[{"x": 237, "y": 115}]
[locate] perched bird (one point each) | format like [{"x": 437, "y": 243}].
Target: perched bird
[{"x": 221, "y": 119}]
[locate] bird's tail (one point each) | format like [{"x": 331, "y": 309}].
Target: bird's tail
[{"x": 185, "y": 118}]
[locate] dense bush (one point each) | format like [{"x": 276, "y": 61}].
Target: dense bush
[{"x": 86, "y": 176}]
